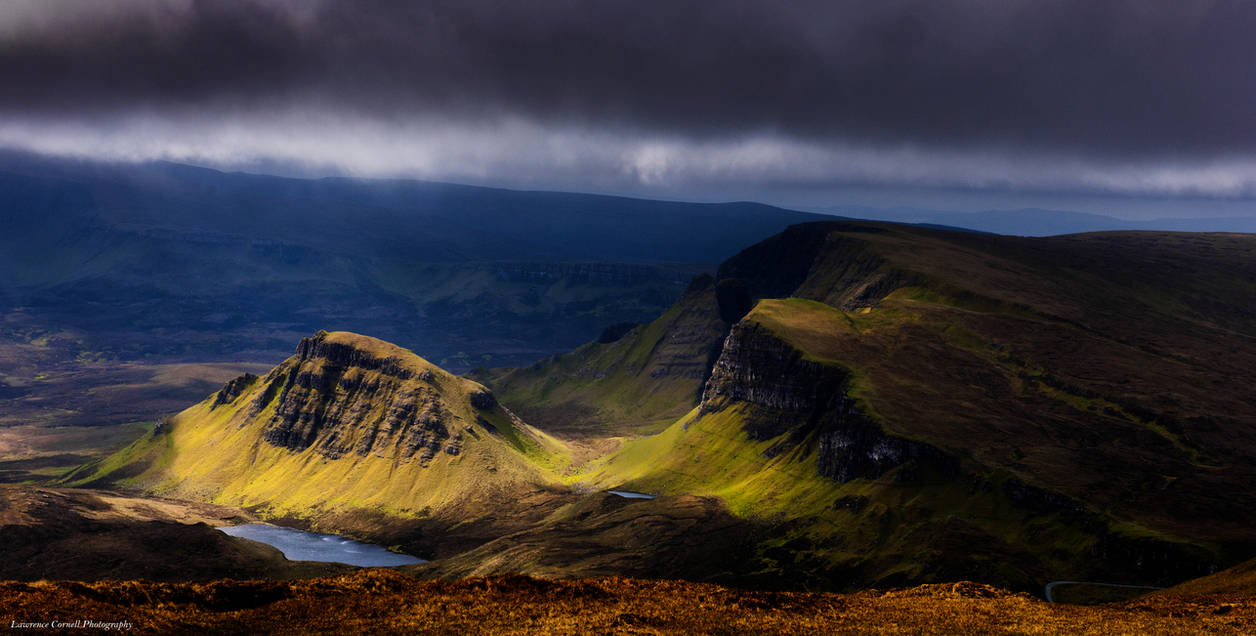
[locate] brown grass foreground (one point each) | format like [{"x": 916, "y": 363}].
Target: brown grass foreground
[{"x": 383, "y": 601}]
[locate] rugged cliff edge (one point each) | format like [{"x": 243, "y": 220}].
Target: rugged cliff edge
[
  {"x": 340, "y": 399},
  {"x": 801, "y": 401},
  {"x": 783, "y": 434}
]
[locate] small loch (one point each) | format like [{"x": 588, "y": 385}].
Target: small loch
[
  {"x": 630, "y": 495},
  {"x": 298, "y": 545}
]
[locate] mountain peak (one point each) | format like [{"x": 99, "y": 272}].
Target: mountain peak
[
  {"x": 348, "y": 349},
  {"x": 345, "y": 393},
  {"x": 348, "y": 422}
]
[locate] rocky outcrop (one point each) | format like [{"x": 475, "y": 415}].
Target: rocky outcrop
[
  {"x": 341, "y": 399},
  {"x": 806, "y": 402},
  {"x": 688, "y": 332},
  {"x": 849, "y": 446},
  {"x": 234, "y": 389},
  {"x": 757, "y": 367},
  {"x": 483, "y": 400},
  {"x": 344, "y": 355}
]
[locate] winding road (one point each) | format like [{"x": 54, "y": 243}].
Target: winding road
[{"x": 1051, "y": 586}]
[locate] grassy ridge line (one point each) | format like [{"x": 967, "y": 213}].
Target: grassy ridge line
[
  {"x": 1240, "y": 579},
  {"x": 639, "y": 384},
  {"x": 887, "y": 525}
]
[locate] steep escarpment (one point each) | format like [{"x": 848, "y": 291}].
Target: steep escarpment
[
  {"x": 351, "y": 432},
  {"x": 645, "y": 378},
  {"x": 837, "y": 263},
  {"x": 340, "y": 399},
  {"x": 784, "y": 434},
  {"x": 902, "y": 404},
  {"x": 785, "y": 395},
  {"x": 1112, "y": 368}
]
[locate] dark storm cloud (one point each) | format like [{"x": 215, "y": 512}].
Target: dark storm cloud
[
  {"x": 1101, "y": 79},
  {"x": 791, "y": 102}
]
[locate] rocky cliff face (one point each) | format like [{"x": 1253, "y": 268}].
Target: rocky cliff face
[
  {"x": 341, "y": 399},
  {"x": 812, "y": 261},
  {"x": 789, "y": 394},
  {"x": 805, "y": 404},
  {"x": 234, "y": 389}
]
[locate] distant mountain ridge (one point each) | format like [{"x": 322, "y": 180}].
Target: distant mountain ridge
[
  {"x": 167, "y": 263},
  {"x": 478, "y": 223},
  {"x": 1042, "y": 222}
]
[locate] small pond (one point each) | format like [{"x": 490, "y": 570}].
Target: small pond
[
  {"x": 630, "y": 495},
  {"x": 298, "y": 545}
]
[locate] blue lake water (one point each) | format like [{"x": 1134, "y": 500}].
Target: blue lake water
[
  {"x": 298, "y": 545},
  {"x": 631, "y": 495}
]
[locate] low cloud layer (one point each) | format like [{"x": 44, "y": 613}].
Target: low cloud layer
[{"x": 1145, "y": 97}]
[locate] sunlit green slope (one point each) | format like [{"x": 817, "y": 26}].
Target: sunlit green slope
[
  {"x": 639, "y": 383},
  {"x": 349, "y": 423}
]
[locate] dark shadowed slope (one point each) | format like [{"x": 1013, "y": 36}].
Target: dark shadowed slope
[
  {"x": 93, "y": 535},
  {"x": 1240, "y": 579}
]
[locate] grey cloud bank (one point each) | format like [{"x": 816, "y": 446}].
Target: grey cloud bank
[{"x": 683, "y": 98}]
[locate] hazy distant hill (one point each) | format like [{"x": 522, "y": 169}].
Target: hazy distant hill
[
  {"x": 1039, "y": 222},
  {"x": 164, "y": 258},
  {"x": 104, "y": 267}
]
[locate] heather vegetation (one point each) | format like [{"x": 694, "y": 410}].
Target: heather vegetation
[{"x": 378, "y": 601}]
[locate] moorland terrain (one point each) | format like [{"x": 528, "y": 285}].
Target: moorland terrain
[
  {"x": 845, "y": 405},
  {"x": 841, "y": 406},
  {"x": 381, "y": 601}
]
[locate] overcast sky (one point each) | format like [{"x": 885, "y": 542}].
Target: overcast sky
[{"x": 800, "y": 103}]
